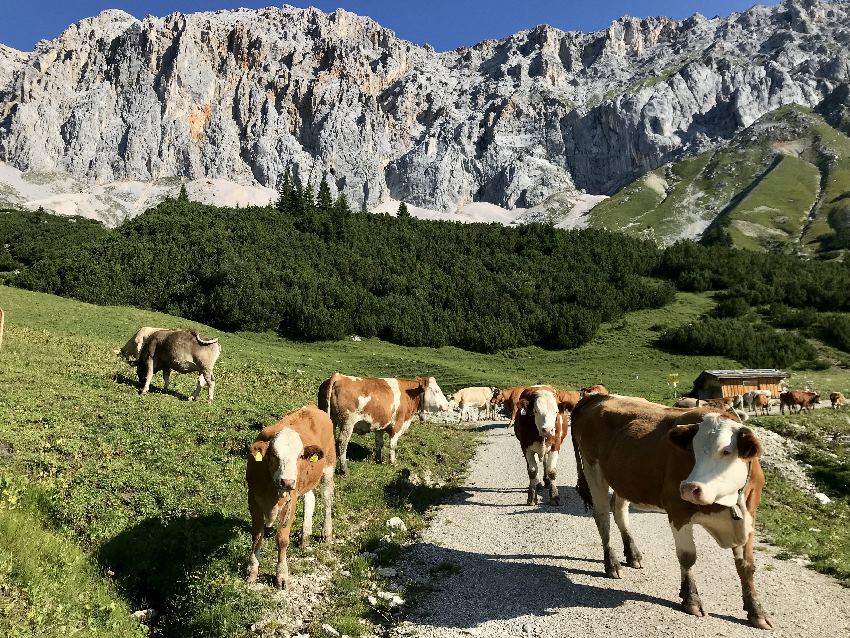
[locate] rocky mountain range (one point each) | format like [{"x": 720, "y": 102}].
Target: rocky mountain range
[{"x": 242, "y": 96}]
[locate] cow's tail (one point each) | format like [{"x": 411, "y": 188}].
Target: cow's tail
[{"x": 323, "y": 398}]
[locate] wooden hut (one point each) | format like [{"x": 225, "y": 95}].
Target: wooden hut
[{"x": 716, "y": 384}]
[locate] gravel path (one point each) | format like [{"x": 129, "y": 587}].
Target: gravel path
[{"x": 500, "y": 568}]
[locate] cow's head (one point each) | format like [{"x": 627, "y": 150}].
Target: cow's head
[
  {"x": 596, "y": 388},
  {"x": 723, "y": 449},
  {"x": 281, "y": 456},
  {"x": 433, "y": 400},
  {"x": 498, "y": 397},
  {"x": 543, "y": 405}
]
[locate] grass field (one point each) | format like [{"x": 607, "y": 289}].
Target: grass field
[{"x": 137, "y": 502}]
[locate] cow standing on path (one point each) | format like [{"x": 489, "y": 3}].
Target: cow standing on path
[
  {"x": 287, "y": 460},
  {"x": 377, "y": 405},
  {"x": 798, "y": 398},
  {"x": 836, "y": 400},
  {"x": 181, "y": 351},
  {"x": 699, "y": 466},
  {"x": 475, "y": 397},
  {"x": 541, "y": 427}
]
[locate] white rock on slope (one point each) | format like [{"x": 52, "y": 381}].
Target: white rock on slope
[{"x": 242, "y": 95}]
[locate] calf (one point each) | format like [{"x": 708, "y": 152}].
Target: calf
[
  {"x": 541, "y": 427},
  {"x": 798, "y": 398},
  {"x": 365, "y": 405},
  {"x": 699, "y": 466},
  {"x": 287, "y": 460},
  {"x": 761, "y": 403},
  {"x": 181, "y": 351},
  {"x": 475, "y": 397},
  {"x": 749, "y": 398},
  {"x": 836, "y": 399}
]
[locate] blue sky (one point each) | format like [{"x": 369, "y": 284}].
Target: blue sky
[{"x": 445, "y": 24}]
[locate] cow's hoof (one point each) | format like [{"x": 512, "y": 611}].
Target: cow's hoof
[
  {"x": 281, "y": 583},
  {"x": 634, "y": 563},
  {"x": 760, "y": 622},
  {"x": 554, "y": 500},
  {"x": 305, "y": 542},
  {"x": 694, "y": 608},
  {"x": 613, "y": 569},
  {"x": 251, "y": 577}
]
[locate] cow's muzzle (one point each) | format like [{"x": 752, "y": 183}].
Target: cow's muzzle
[
  {"x": 693, "y": 493},
  {"x": 287, "y": 484}
]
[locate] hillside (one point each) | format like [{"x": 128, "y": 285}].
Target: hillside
[
  {"x": 105, "y": 114},
  {"x": 781, "y": 184}
]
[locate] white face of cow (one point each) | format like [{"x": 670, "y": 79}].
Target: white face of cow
[
  {"x": 545, "y": 413},
  {"x": 722, "y": 450},
  {"x": 284, "y": 451},
  {"x": 434, "y": 400}
]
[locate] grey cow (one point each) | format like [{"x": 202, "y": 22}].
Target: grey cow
[{"x": 181, "y": 351}]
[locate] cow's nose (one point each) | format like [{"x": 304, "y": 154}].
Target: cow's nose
[
  {"x": 287, "y": 484},
  {"x": 691, "y": 492}
]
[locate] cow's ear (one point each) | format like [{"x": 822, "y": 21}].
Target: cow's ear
[
  {"x": 258, "y": 450},
  {"x": 683, "y": 435},
  {"x": 563, "y": 407},
  {"x": 313, "y": 453},
  {"x": 748, "y": 444}
]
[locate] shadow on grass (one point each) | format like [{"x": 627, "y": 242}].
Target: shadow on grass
[
  {"x": 153, "y": 560},
  {"x": 133, "y": 382}
]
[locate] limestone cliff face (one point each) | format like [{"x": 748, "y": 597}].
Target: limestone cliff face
[{"x": 244, "y": 94}]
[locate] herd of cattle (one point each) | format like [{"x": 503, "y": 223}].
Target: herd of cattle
[{"x": 695, "y": 461}]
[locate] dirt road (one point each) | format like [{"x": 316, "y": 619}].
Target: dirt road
[{"x": 502, "y": 568}]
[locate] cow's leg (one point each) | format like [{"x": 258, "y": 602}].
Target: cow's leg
[
  {"x": 327, "y": 500},
  {"x": 531, "y": 465},
  {"x": 147, "y": 377},
  {"x": 621, "y": 517},
  {"x": 550, "y": 476},
  {"x": 197, "y": 391},
  {"x": 599, "y": 494},
  {"x": 345, "y": 432},
  {"x": 379, "y": 446},
  {"x": 746, "y": 566},
  {"x": 686, "y": 551},
  {"x": 282, "y": 573},
  {"x": 307, "y": 523},
  {"x": 257, "y": 528},
  {"x": 166, "y": 377},
  {"x": 394, "y": 437},
  {"x": 208, "y": 377}
]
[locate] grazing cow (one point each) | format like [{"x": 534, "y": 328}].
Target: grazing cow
[
  {"x": 365, "y": 405},
  {"x": 837, "y": 400},
  {"x": 686, "y": 402},
  {"x": 476, "y": 397},
  {"x": 508, "y": 398},
  {"x": 761, "y": 403},
  {"x": 540, "y": 427},
  {"x": 182, "y": 351},
  {"x": 699, "y": 466},
  {"x": 287, "y": 460},
  {"x": 133, "y": 348},
  {"x": 749, "y": 398},
  {"x": 798, "y": 398},
  {"x": 596, "y": 388}
]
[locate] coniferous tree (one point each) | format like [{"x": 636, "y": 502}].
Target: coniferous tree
[
  {"x": 341, "y": 206},
  {"x": 285, "y": 193},
  {"x": 308, "y": 198},
  {"x": 184, "y": 195},
  {"x": 324, "y": 201},
  {"x": 403, "y": 213}
]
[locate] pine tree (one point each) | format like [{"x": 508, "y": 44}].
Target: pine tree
[
  {"x": 284, "y": 199},
  {"x": 324, "y": 201},
  {"x": 184, "y": 195},
  {"x": 341, "y": 205},
  {"x": 308, "y": 197},
  {"x": 296, "y": 203},
  {"x": 403, "y": 213}
]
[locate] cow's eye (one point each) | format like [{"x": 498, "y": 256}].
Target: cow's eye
[{"x": 726, "y": 452}]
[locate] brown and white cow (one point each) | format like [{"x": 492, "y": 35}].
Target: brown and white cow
[
  {"x": 761, "y": 404},
  {"x": 699, "y": 466},
  {"x": 799, "y": 398},
  {"x": 686, "y": 402},
  {"x": 131, "y": 350},
  {"x": 596, "y": 388},
  {"x": 181, "y": 351},
  {"x": 541, "y": 427},
  {"x": 568, "y": 399},
  {"x": 836, "y": 399},
  {"x": 287, "y": 460},
  {"x": 377, "y": 405},
  {"x": 474, "y": 397},
  {"x": 508, "y": 398}
]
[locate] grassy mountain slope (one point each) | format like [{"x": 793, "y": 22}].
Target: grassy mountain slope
[{"x": 781, "y": 184}]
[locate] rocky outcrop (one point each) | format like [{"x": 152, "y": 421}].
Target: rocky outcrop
[{"x": 243, "y": 95}]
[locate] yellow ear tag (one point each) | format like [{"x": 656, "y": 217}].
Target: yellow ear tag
[
  {"x": 314, "y": 458},
  {"x": 258, "y": 456}
]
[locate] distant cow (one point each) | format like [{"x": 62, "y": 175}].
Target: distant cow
[
  {"x": 133, "y": 347},
  {"x": 699, "y": 466},
  {"x": 596, "y": 388},
  {"x": 181, "y": 351},
  {"x": 287, "y": 460},
  {"x": 510, "y": 398},
  {"x": 474, "y": 397},
  {"x": 686, "y": 402},
  {"x": 568, "y": 399},
  {"x": 365, "y": 405},
  {"x": 799, "y": 399},
  {"x": 541, "y": 427},
  {"x": 837, "y": 400},
  {"x": 749, "y": 398},
  {"x": 761, "y": 404}
]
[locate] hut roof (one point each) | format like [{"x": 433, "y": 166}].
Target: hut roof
[{"x": 747, "y": 373}]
